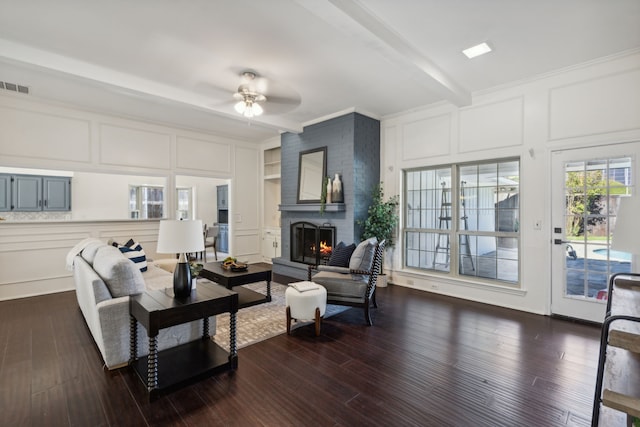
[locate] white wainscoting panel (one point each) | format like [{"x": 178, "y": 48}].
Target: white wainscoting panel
[
  {"x": 247, "y": 245},
  {"x": 134, "y": 147},
  {"x": 245, "y": 201},
  {"x": 33, "y": 134},
  {"x": 495, "y": 125},
  {"x": 428, "y": 137},
  {"x": 607, "y": 104},
  {"x": 203, "y": 155},
  {"x": 33, "y": 254}
]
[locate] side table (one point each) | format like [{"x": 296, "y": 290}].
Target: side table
[
  {"x": 167, "y": 370},
  {"x": 235, "y": 279}
]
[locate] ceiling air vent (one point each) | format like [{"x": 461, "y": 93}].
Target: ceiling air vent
[{"x": 14, "y": 87}]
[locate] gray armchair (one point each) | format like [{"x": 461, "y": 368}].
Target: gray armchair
[{"x": 355, "y": 287}]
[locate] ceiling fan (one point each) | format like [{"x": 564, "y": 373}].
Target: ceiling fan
[{"x": 257, "y": 95}]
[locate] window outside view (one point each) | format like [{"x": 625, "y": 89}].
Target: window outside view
[
  {"x": 470, "y": 228},
  {"x": 146, "y": 202},
  {"x": 592, "y": 192}
]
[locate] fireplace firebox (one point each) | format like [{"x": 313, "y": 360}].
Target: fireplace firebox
[{"x": 310, "y": 243}]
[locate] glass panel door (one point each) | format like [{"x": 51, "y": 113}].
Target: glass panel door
[{"x": 588, "y": 184}]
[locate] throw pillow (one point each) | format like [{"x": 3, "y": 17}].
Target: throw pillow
[
  {"x": 362, "y": 257},
  {"x": 134, "y": 252},
  {"x": 89, "y": 252},
  {"x": 341, "y": 254},
  {"x": 119, "y": 274}
]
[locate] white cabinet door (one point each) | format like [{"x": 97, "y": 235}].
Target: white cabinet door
[{"x": 270, "y": 244}]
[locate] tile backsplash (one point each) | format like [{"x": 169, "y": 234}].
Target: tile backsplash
[{"x": 36, "y": 216}]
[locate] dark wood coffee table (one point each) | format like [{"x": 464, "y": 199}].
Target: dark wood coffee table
[
  {"x": 229, "y": 279},
  {"x": 164, "y": 371}
]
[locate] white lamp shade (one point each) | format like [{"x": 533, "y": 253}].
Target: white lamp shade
[
  {"x": 626, "y": 234},
  {"x": 176, "y": 236}
]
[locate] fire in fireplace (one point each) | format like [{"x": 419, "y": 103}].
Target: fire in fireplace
[{"x": 310, "y": 243}]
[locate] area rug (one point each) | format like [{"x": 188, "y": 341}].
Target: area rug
[{"x": 263, "y": 321}]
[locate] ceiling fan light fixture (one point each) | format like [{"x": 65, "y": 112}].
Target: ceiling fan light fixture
[
  {"x": 249, "y": 97},
  {"x": 248, "y": 108},
  {"x": 477, "y": 50},
  {"x": 240, "y": 107}
]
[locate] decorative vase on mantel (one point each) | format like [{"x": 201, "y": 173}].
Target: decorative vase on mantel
[
  {"x": 329, "y": 190},
  {"x": 336, "y": 190}
]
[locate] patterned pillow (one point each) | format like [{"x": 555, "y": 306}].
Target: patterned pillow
[
  {"x": 341, "y": 254},
  {"x": 134, "y": 252}
]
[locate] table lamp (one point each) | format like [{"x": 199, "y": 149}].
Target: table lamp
[
  {"x": 626, "y": 234},
  {"x": 180, "y": 237}
]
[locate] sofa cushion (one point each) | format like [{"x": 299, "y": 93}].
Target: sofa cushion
[
  {"x": 120, "y": 275},
  {"x": 334, "y": 268},
  {"x": 342, "y": 285},
  {"x": 156, "y": 278},
  {"x": 362, "y": 257},
  {"x": 341, "y": 254},
  {"x": 89, "y": 252}
]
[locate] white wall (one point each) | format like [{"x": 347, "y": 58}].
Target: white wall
[
  {"x": 105, "y": 196},
  {"x": 39, "y": 135},
  {"x": 588, "y": 105}
]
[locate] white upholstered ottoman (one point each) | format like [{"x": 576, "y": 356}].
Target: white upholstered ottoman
[{"x": 305, "y": 301}]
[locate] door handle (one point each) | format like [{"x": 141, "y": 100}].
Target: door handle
[{"x": 559, "y": 241}]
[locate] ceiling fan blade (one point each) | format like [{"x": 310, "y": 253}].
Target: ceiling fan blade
[{"x": 283, "y": 100}]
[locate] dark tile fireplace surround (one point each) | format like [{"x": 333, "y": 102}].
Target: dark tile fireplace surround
[{"x": 353, "y": 151}]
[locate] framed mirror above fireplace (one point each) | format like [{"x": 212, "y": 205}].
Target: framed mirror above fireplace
[{"x": 312, "y": 169}]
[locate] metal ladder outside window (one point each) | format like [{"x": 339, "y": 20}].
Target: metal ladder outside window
[{"x": 443, "y": 245}]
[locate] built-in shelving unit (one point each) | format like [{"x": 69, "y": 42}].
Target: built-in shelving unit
[
  {"x": 272, "y": 164},
  {"x": 617, "y": 395},
  {"x": 271, "y": 192}
]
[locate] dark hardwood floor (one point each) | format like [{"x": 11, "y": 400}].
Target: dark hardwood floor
[{"x": 427, "y": 361}]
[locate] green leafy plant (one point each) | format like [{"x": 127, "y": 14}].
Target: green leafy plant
[
  {"x": 382, "y": 217},
  {"x": 195, "y": 268},
  {"x": 323, "y": 196}
]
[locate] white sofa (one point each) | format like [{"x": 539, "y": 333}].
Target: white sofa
[{"x": 104, "y": 279}]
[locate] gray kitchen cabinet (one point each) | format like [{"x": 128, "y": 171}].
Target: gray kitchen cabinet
[
  {"x": 33, "y": 193},
  {"x": 56, "y": 193},
  {"x": 223, "y": 196},
  {"x": 223, "y": 238},
  {"x": 26, "y": 193},
  {"x": 5, "y": 193}
]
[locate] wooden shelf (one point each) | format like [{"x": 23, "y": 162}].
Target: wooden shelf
[
  {"x": 313, "y": 207},
  {"x": 622, "y": 402},
  {"x": 619, "y": 363},
  {"x": 185, "y": 364}
]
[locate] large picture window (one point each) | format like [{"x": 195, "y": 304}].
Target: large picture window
[{"x": 464, "y": 219}]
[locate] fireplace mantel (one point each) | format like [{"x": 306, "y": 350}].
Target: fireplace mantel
[{"x": 312, "y": 207}]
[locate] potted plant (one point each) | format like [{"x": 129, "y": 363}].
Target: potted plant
[
  {"x": 195, "y": 268},
  {"x": 382, "y": 219}
]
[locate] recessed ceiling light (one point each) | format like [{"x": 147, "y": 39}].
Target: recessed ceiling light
[{"x": 477, "y": 50}]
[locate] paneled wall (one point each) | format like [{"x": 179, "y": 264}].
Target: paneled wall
[
  {"x": 35, "y": 134},
  {"x": 589, "y": 105},
  {"x": 33, "y": 254}
]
